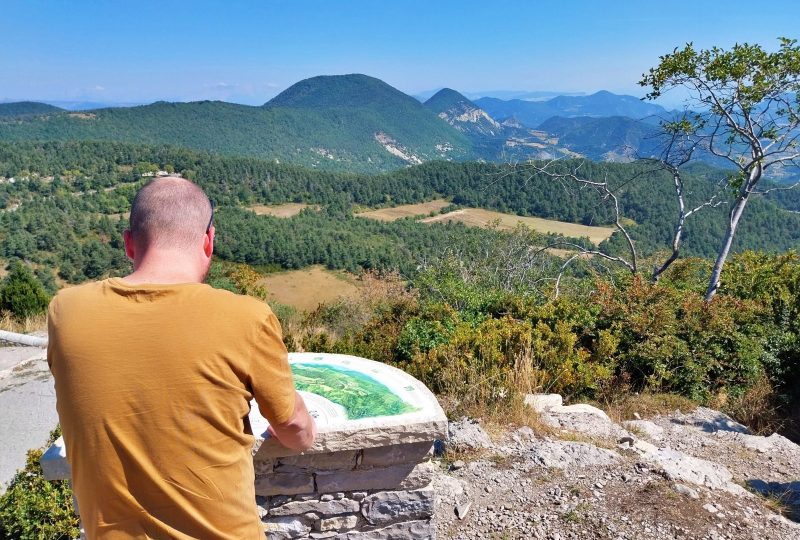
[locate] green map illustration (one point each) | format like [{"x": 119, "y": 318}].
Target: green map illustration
[{"x": 359, "y": 394}]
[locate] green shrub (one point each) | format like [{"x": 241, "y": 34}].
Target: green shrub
[
  {"x": 22, "y": 294},
  {"x": 33, "y": 508},
  {"x": 673, "y": 341}
]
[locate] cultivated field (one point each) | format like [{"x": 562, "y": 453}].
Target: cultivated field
[
  {"x": 406, "y": 210},
  {"x": 477, "y": 217},
  {"x": 305, "y": 289},
  {"x": 279, "y": 210}
]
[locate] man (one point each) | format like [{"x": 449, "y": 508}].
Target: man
[{"x": 154, "y": 373}]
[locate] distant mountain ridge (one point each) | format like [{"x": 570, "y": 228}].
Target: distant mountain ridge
[
  {"x": 491, "y": 140},
  {"x": 26, "y": 108},
  {"x": 346, "y": 122},
  {"x": 359, "y": 123},
  {"x": 603, "y": 103},
  {"x": 614, "y": 138}
]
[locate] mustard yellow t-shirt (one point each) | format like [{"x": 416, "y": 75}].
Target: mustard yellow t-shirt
[{"x": 152, "y": 386}]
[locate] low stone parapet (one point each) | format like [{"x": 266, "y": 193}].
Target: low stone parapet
[{"x": 369, "y": 473}]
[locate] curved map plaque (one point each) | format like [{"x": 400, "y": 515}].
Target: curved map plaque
[{"x": 356, "y": 401}]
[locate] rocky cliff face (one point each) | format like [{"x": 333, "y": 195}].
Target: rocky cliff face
[{"x": 466, "y": 118}]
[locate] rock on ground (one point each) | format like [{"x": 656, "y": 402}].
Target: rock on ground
[{"x": 467, "y": 434}]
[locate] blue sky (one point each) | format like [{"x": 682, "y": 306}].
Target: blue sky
[{"x": 248, "y": 51}]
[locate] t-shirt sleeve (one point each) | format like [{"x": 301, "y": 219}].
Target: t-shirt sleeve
[{"x": 271, "y": 378}]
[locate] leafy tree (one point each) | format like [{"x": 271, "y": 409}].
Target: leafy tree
[
  {"x": 750, "y": 115},
  {"x": 22, "y": 294}
]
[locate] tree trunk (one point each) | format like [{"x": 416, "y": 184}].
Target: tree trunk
[{"x": 730, "y": 232}]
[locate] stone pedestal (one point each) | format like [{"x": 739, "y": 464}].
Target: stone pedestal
[{"x": 369, "y": 473}]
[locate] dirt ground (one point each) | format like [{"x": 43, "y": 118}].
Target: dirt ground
[
  {"x": 478, "y": 217},
  {"x": 280, "y": 210},
  {"x": 406, "y": 210},
  {"x": 305, "y": 289}
]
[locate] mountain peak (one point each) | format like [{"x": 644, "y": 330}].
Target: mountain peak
[
  {"x": 446, "y": 98},
  {"x": 352, "y": 90},
  {"x": 461, "y": 113}
]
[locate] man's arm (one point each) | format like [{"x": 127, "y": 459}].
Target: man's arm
[
  {"x": 272, "y": 384},
  {"x": 299, "y": 431}
]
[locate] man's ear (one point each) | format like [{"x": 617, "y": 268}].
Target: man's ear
[
  {"x": 128, "y": 240},
  {"x": 208, "y": 242}
]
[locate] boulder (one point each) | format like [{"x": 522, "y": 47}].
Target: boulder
[
  {"x": 467, "y": 434},
  {"x": 566, "y": 455},
  {"x": 683, "y": 468},
  {"x": 542, "y": 402}
]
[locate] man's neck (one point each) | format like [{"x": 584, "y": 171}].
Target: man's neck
[{"x": 164, "y": 268}]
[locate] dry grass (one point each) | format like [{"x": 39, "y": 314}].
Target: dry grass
[
  {"x": 756, "y": 408},
  {"x": 478, "y": 217},
  {"x": 500, "y": 417},
  {"x": 406, "y": 210},
  {"x": 780, "y": 502},
  {"x": 625, "y": 406},
  {"x": 279, "y": 210},
  {"x": 37, "y": 323},
  {"x": 306, "y": 289}
]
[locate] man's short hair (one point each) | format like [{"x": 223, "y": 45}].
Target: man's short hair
[{"x": 169, "y": 213}]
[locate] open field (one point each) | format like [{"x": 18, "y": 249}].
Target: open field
[
  {"x": 305, "y": 289},
  {"x": 286, "y": 210},
  {"x": 477, "y": 217},
  {"x": 406, "y": 210}
]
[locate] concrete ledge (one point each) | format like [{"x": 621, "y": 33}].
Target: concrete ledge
[{"x": 54, "y": 462}]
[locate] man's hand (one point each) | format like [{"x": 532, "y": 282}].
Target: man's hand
[{"x": 299, "y": 432}]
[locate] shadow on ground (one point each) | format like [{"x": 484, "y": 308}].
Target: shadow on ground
[{"x": 786, "y": 495}]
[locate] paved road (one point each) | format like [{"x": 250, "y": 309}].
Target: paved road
[{"x": 27, "y": 406}]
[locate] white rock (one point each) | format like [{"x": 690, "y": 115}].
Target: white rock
[
  {"x": 680, "y": 467},
  {"x": 448, "y": 487},
  {"x": 467, "y": 434},
  {"x": 564, "y": 455},
  {"x": 337, "y": 523},
  {"x": 649, "y": 429},
  {"x": 710, "y": 421},
  {"x": 282, "y": 528},
  {"x": 582, "y": 408},
  {"x": 462, "y": 510},
  {"x": 686, "y": 490},
  {"x": 541, "y": 402},
  {"x": 583, "y": 418}
]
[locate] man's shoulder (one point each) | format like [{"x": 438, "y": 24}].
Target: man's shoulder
[
  {"x": 74, "y": 292},
  {"x": 246, "y": 305}
]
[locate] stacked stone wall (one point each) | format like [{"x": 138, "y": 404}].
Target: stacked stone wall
[{"x": 373, "y": 493}]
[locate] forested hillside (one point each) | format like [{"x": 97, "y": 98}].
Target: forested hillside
[
  {"x": 351, "y": 122},
  {"x": 63, "y": 209},
  {"x": 25, "y": 108}
]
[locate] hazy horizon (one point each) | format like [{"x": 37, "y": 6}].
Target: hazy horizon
[{"x": 148, "y": 51}]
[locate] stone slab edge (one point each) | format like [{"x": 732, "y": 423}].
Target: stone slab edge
[{"x": 394, "y": 431}]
